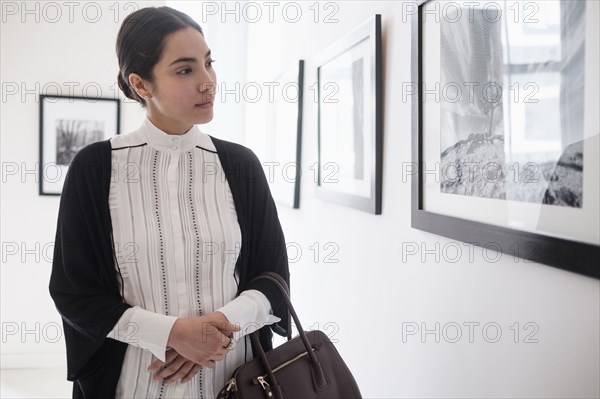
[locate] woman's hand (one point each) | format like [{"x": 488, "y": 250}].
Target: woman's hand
[
  {"x": 202, "y": 339},
  {"x": 176, "y": 367}
]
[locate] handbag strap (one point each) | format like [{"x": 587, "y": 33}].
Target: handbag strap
[
  {"x": 318, "y": 374},
  {"x": 286, "y": 288}
]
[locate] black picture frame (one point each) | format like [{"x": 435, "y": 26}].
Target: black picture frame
[
  {"x": 284, "y": 136},
  {"x": 574, "y": 256},
  {"x": 329, "y": 187},
  {"x": 68, "y": 123}
]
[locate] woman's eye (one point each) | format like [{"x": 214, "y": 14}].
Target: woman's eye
[
  {"x": 183, "y": 71},
  {"x": 210, "y": 62}
]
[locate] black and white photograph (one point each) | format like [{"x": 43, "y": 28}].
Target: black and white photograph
[
  {"x": 72, "y": 135},
  {"x": 506, "y": 142},
  {"x": 67, "y": 124},
  {"x": 495, "y": 144},
  {"x": 350, "y": 119}
]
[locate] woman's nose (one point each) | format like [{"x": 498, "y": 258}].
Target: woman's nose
[
  {"x": 207, "y": 82},
  {"x": 207, "y": 87}
]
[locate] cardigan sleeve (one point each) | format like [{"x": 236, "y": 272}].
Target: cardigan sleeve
[
  {"x": 268, "y": 242},
  {"x": 83, "y": 282}
]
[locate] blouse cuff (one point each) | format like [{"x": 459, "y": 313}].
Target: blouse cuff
[
  {"x": 251, "y": 310},
  {"x": 147, "y": 330}
]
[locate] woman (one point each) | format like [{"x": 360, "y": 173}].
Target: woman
[{"x": 160, "y": 232}]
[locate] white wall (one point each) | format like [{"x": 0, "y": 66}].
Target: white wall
[{"x": 370, "y": 293}]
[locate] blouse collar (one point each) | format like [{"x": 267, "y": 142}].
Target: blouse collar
[{"x": 176, "y": 142}]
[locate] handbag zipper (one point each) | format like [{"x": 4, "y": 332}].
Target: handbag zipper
[
  {"x": 285, "y": 364},
  {"x": 231, "y": 385},
  {"x": 262, "y": 378},
  {"x": 265, "y": 386}
]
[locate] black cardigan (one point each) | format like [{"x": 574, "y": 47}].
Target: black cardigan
[{"x": 84, "y": 284}]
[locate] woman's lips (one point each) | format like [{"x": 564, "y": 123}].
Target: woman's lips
[{"x": 207, "y": 104}]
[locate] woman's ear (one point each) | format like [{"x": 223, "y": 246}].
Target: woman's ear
[{"x": 141, "y": 87}]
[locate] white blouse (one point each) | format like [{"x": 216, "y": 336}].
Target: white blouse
[{"x": 177, "y": 239}]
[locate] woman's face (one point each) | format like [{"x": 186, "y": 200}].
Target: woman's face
[{"x": 183, "y": 79}]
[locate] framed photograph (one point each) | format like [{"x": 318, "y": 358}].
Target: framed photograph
[
  {"x": 505, "y": 128},
  {"x": 66, "y": 125},
  {"x": 284, "y": 136},
  {"x": 350, "y": 104}
]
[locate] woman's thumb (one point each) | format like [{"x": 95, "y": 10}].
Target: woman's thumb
[
  {"x": 223, "y": 324},
  {"x": 227, "y": 326}
]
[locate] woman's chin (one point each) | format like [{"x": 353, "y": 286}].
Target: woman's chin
[{"x": 200, "y": 120}]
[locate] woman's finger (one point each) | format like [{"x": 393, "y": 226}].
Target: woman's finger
[
  {"x": 170, "y": 368},
  {"x": 209, "y": 363},
  {"x": 182, "y": 372},
  {"x": 193, "y": 371},
  {"x": 171, "y": 354}
]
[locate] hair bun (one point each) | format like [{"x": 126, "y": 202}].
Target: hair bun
[{"x": 124, "y": 86}]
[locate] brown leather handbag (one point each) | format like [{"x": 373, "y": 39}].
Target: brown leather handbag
[{"x": 305, "y": 367}]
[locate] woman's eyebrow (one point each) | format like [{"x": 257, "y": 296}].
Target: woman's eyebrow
[{"x": 188, "y": 59}]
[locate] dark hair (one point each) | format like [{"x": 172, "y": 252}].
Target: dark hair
[{"x": 140, "y": 43}]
